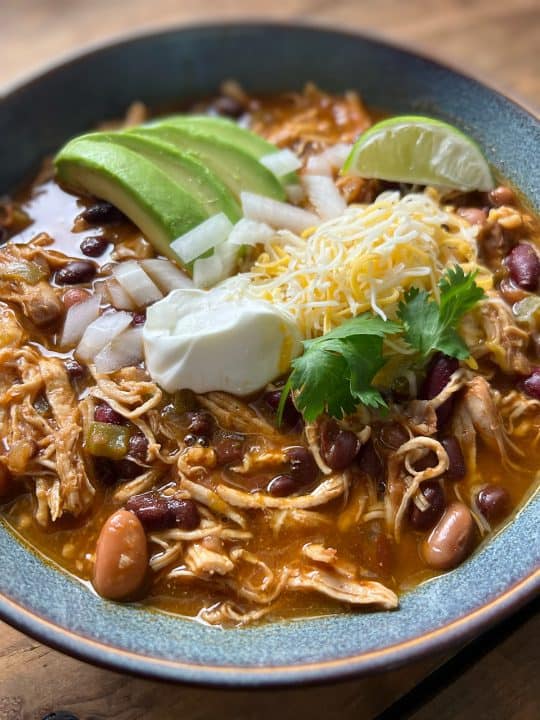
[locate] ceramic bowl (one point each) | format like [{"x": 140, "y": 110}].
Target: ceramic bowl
[{"x": 36, "y": 117}]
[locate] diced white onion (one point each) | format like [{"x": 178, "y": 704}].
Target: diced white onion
[
  {"x": 250, "y": 232},
  {"x": 295, "y": 194},
  {"x": 125, "y": 350},
  {"x": 102, "y": 331},
  {"x": 337, "y": 154},
  {"x": 118, "y": 296},
  {"x": 318, "y": 165},
  {"x": 136, "y": 283},
  {"x": 202, "y": 238},
  {"x": 207, "y": 271},
  {"x": 277, "y": 214},
  {"x": 324, "y": 196},
  {"x": 281, "y": 163},
  {"x": 78, "y": 318},
  {"x": 166, "y": 275}
]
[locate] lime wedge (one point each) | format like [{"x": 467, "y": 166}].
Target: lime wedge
[{"x": 422, "y": 151}]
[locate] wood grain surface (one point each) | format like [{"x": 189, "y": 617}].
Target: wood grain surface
[{"x": 497, "y": 41}]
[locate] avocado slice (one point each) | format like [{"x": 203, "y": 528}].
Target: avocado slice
[
  {"x": 161, "y": 208},
  {"x": 237, "y": 169},
  {"x": 230, "y": 132},
  {"x": 183, "y": 169}
]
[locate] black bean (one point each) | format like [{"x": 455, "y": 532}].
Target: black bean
[
  {"x": 139, "y": 318},
  {"x": 456, "y": 462},
  {"x": 370, "y": 463},
  {"x": 524, "y": 266},
  {"x": 494, "y": 502},
  {"x": 105, "y": 471},
  {"x": 228, "y": 106},
  {"x": 185, "y": 513},
  {"x": 102, "y": 213},
  {"x": 4, "y": 235},
  {"x": 531, "y": 385},
  {"x": 128, "y": 470},
  {"x": 229, "y": 448},
  {"x": 502, "y": 196},
  {"x": 78, "y": 271},
  {"x": 75, "y": 370},
  {"x": 94, "y": 246},
  {"x": 428, "y": 461},
  {"x": 303, "y": 468},
  {"x": 291, "y": 416},
  {"x": 282, "y": 485},
  {"x": 105, "y": 414},
  {"x": 338, "y": 447},
  {"x": 138, "y": 447},
  {"x": 393, "y": 435},
  {"x": 426, "y": 519},
  {"x": 439, "y": 372},
  {"x": 200, "y": 423},
  {"x": 60, "y": 715}
]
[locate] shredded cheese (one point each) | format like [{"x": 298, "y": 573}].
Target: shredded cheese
[{"x": 363, "y": 260}]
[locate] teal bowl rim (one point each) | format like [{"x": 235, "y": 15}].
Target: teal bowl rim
[{"x": 506, "y": 598}]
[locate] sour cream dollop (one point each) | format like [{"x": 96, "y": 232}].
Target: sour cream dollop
[{"x": 206, "y": 340}]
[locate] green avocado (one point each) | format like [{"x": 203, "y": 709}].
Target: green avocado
[
  {"x": 236, "y": 168},
  {"x": 160, "y": 207},
  {"x": 229, "y": 132},
  {"x": 184, "y": 169}
]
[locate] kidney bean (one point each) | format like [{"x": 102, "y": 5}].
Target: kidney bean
[
  {"x": 502, "y": 196},
  {"x": 105, "y": 414},
  {"x": 493, "y": 502},
  {"x": 94, "y": 246},
  {"x": 369, "y": 462},
  {"x": 105, "y": 471},
  {"x": 139, "y": 318},
  {"x": 290, "y": 414},
  {"x": 121, "y": 556},
  {"x": 128, "y": 470},
  {"x": 524, "y": 266},
  {"x": 531, "y": 385},
  {"x": 200, "y": 423},
  {"x": 74, "y": 296},
  {"x": 451, "y": 540},
  {"x": 303, "y": 468},
  {"x": 138, "y": 447},
  {"x": 102, "y": 213},
  {"x": 338, "y": 447},
  {"x": 229, "y": 448},
  {"x": 456, "y": 462},
  {"x": 438, "y": 374},
  {"x": 426, "y": 519},
  {"x": 511, "y": 292},
  {"x": 393, "y": 435},
  {"x": 75, "y": 370},
  {"x": 77, "y": 271},
  {"x": 228, "y": 106},
  {"x": 474, "y": 216},
  {"x": 185, "y": 512},
  {"x": 157, "y": 512},
  {"x": 282, "y": 485}
]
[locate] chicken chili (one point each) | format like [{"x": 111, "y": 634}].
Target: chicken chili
[{"x": 300, "y": 389}]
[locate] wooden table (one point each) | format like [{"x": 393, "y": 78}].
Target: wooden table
[{"x": 493, "y": 679}]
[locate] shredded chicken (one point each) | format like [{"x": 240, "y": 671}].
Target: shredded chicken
[{"x": 355, "y": 592}]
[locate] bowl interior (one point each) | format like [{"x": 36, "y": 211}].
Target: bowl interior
[{"x": 36, "y": 118}]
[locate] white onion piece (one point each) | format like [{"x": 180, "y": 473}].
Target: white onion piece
[
  {"x": 125, "y": 350},
  {"x": 166, "y": 275},
  {"x": 78, "y": 318},
  {"x": 203, "y": 237},
  {"x": 102, "y": 331},
  {"x": 277, "y": 214},
  {"x": 281, "y": 162},
  {"x": 250, "y": 232},
  {"x": 118, "y": 296},
  {"x": 324, "y": 196},
  {"x": 318, "y": 165},
  {"x": 295, "y": 194},
  {"x": 337, "y": 154},
  {"x": 208, "y": 271},
  {"x": 136, "y": 283}
]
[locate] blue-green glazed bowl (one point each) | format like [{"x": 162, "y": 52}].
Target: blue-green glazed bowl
[{"x": 36, "y": 117}]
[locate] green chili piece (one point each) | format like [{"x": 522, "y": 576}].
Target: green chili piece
[{"x": 107, "y": 440}]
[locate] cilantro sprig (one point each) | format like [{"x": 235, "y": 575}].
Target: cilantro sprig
[{"x": 336, "y": 371}]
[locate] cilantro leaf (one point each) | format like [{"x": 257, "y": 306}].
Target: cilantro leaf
[
  {"x": 365, "y": 358},
  {"x": 459, "y": 294}
]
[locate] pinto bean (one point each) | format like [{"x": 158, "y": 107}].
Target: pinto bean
[
  {"x": 121, "y": 556},
  {"x": 338, "y": 447},
  {"x": 474, "y": 216},
  {"x": 456, "y": 462},
  {"x": 511, "y": 292},
  {"x": 77, "y": 271},
  {"x": 451, "y": 540},
  {"x": 426, "y": 519},
  {"x": 494, "y": 502},
  {"x": 531, "y": 385},
  {"x": 502, "y": 196},
  {"x": 524, "y": 266},
  {"x": 303, "y": 468},
  {"x": 74, "y": 296}
]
